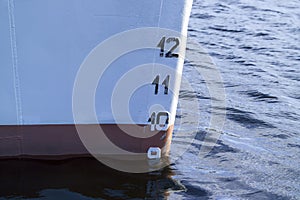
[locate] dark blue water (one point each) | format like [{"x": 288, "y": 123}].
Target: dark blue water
[{"x": 256, "y": 47}]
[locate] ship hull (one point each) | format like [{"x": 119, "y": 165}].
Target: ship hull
[{"x": 47, "y": 47}]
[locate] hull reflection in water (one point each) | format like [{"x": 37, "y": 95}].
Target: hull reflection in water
[{"x": 79, "y": 179}]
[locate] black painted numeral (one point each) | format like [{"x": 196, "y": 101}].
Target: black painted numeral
[
  {"x": 165, "y": 83},
  {"x": 170, "y": 53},
  {"x": 159, "y": 121},
  {"x": 152, "y": 118},
  {"x": 156, "y": 82},
  {"x": 161, "y": 44}
]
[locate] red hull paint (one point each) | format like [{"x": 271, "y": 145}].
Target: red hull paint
[{"x": 62, "y": 141}]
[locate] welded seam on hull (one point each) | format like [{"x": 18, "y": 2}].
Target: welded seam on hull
[
  {"x": 158, "y": 26},
  {"x": 160, "y": 12},
  {"x": 154, "y": 53},
  {"x": 13, "y": 43}
]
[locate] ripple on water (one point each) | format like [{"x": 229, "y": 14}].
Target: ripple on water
[
  {"x": 246, "y": 119},
  {"x": 260, "y": 96}
]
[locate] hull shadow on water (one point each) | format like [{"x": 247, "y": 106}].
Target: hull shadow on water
[{"x": 81, "y": 178}]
